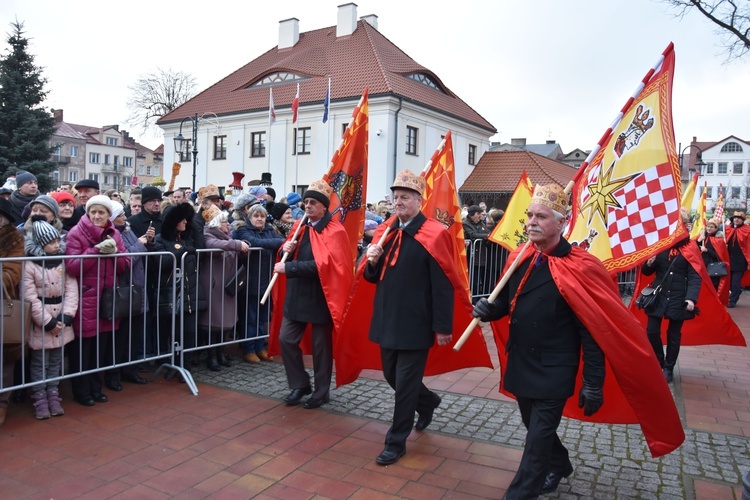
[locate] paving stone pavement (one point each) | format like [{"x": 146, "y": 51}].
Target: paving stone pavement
[{"x": 611, "y": 461}]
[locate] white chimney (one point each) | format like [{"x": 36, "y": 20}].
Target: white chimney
[
  {"x": 371, "y": 19},
  {"x": 288, "y": 33},
  {"x": 347, "y": 19}
]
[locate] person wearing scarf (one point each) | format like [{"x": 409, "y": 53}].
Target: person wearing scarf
[
  {"x": 714, "y": 249},
  {"x": 563, "y": 307},
  {"x": 738, "y": 243},
  {"x": 318, "y": 276}
]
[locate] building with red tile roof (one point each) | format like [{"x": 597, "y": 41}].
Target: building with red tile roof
[
  {"x": 496, "y": 175},
  {"x": 410, "y": 110}
]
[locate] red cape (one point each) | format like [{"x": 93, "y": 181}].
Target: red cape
[
  {"x": 355, "y": 352},
  {"x": 743, "y": 237},
  {"x": 635, "y": 390},
  {"x": 713, "y": 325},
  {"x": 335, "y": 269}
]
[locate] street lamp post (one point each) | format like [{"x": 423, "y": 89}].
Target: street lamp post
[
  {"x": 179, "y": 142},
  {"x": 698, "y": 164}
]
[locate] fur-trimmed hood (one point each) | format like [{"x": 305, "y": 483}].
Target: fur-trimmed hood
[
  {"x": 10, "y": 241},
  {"x": 171, "y": 216}
]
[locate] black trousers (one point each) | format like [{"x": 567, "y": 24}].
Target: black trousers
[
  {"x": 735, "y": 286},
  {"x": 290, "y": 337},
  {"x": 674, "y": 338},
  {"x": 543, "y": 452},
  {"x": 88, "y": 353},
  {"x": 403, "y": 370}
]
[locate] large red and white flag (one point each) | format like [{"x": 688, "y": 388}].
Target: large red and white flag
[
  {"x": 440, "y": 200},
  {"x": 295, "y": 106},
  {"x": 271, "y": 109},
  {"x": 347, "y": 175},
  {"x": 626, "y": 196}
]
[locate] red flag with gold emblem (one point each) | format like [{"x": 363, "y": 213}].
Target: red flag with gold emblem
[
  {"x": 626, "y": 197},
  {"x": 347, "y": 175},
  {"x": 440, "y": 200}
]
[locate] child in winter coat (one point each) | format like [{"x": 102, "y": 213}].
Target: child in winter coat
[{"x": 53, "y": 295}]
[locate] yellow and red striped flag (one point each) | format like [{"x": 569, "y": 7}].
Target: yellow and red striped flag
[
  {"x": 700, "y": 221},
  {"x": 347, "y": 175},
  {"x": 510, "y": 232},
  {"x": 689, "y": 194},
  {"x": 440, "y": 200}
]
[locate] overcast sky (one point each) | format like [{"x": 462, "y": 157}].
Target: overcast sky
[{"x": 539, "y": 69}]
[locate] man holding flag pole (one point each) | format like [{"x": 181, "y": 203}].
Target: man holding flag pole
[{"x": 563, "y": 301}]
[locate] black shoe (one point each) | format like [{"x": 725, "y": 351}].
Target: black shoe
[
  {"x": 100, "y": 398},
  {"x": 388, "y": 457},
  {"x": 296, "y": 395},
  {"x": 669, "y": 374},
  {"x": 19, "y": 395},
  {"x": 553, "y": 479},
  {"x": 223, "y": 359},
  {"x": 212, "y": 364},
  {"x": 315, "y": 402},
  {"x": 134, "y": 379},
  {"x": 113, "y": 385},
  {"x": 730, "y": 305},
  {"x": 424, "y": 420},
  {"x": 87, "y": 401}
]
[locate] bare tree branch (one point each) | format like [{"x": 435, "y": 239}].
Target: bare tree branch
[
  {"x": 731, "y": 16},
  {"x": 155, "y": 94}
]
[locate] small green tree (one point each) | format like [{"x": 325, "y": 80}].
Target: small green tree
[{"x": 25, "y": 126}]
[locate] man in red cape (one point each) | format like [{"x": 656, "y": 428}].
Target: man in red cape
[
  {"x": 312, "y": 291},
  {"x": 738, "y": 243},
  {"x": 713, "y": 325},
  {"x": 559, "y": 301}
]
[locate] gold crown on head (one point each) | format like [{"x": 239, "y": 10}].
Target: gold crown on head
[
  {"x": 552, "y": 196},
  {"x": 406, "y": 179},
  {"x": 738, "y": 213},
  {"x": 321, "y": 187},
  {"x": 210, "y": 191},
  {"x": 210, "y": 213}
]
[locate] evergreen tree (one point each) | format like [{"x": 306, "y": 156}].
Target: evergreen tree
[{"x": 25, "y": 126}]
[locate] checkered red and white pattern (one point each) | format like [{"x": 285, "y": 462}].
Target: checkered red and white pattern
[{"x": 650, "y": 211}]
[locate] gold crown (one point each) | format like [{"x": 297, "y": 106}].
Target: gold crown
[
  {"x": 406, "y": 179},
  {"x": 209, "y": 191},
  {"x": 210, "y": 213},
  {"x": 551, "y": 195},
  {"x": 716, "y": 221},
  {"x": 321, "y": 187},
  {"x": 738, "y": 213}
]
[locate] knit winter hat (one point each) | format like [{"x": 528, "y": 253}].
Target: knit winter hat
[
  {"x": 117, "y": 209},
  {"x": 48, "y": 202},
  {"x": 61, "y": 196},
  {"x": 22, "y": 177},
  {"x": 277, "y": 210},
  {"x": 100, "y": 200},
  {"x": 257, "y": 191},
  {"x": 43, "y": 232},
  {"x": 293, "y": 198},
  {"x": 150, "y": 193},
  {"x": 370, "y": 225}
]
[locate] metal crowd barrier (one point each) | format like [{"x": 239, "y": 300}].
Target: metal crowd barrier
[{"x": 173, "y": 340}]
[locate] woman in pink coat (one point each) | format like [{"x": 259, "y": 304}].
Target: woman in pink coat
[
  {"x": 53, "y": 295},
  {"x": 93, "y": 235}
]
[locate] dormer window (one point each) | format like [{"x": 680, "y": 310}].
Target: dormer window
[
  {"x": 424, "y": 79},
  {"x": 276, "y": 78},
  {"x": 731, "y": 147}
]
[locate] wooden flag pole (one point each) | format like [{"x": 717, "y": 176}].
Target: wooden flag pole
[
  {"x": 493, "y": 296},
  {"x": 283, "y": 259}
]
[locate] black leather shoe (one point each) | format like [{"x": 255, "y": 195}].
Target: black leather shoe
[
  {"x": 134, "y": 379},
  {"x": 388, "y": 457},
  {"x": 113, "y": 385},
  {"x": 424, "y": 420},
  {"x": 296, "y": 395},
  {"x": 315, "y": 402},
  {"x": 100, "y": 398},
  {"x": 553, "y": 479},
  {"x": 223, "y": 359},
  {"x": 87, "y": 401}
]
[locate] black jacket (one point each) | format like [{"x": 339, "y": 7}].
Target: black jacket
[{"x": 682, "y": 283}]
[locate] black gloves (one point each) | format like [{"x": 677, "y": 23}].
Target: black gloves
[
  {"x": 485, "y": 310},
  {"x": 590, "y": 399}
]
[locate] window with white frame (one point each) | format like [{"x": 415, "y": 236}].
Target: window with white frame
[
  {"x": 258, "y": 144},
  {"x": 731, "y": 147},
  {"x": 106, "y": 179},
  {"x": 709, "y": 192},
  {"x": 735, "y": 191},
  {"x": 472, "y": 154},
  {"x": 411, "y": 140},
  {"x": 737, "y": 167},
  {"x": 74, "y": 151},
  {"x": 94, "y": 158},
  {"x": 141, "y": 169},
  {"x": 220, "y": 147},
  {"x": 722, "y": 166},
  {"x": 73, "y": 176},
  {"x": 94, "y": 177},
  {"x": 302, "y": 140},
  {"x": 106, "y": 159},
  {"x": 112, "y": 141},
  {"x": 148, "y": 170},
  {"x": 709, "y": 168},
  {"x": 127, "y": 161}
]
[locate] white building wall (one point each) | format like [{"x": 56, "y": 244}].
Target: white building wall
[
  {"x": 729, "y": 180},
  {"x": 325, "y": 138}
]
